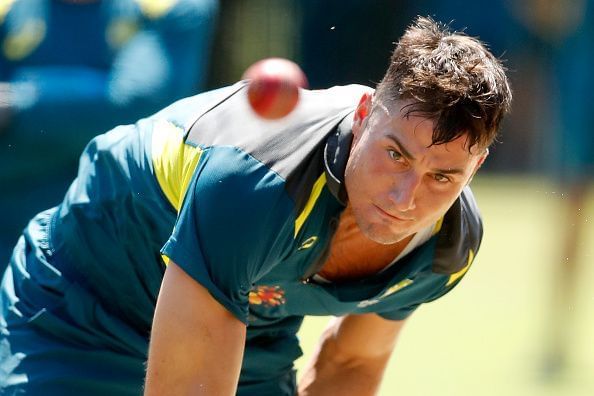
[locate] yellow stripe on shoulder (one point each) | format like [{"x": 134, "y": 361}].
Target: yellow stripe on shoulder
[
  {"x": 457, "y": 275},
  {"x": 174, "y": 161},
  {"x": 311, "y": 202}
]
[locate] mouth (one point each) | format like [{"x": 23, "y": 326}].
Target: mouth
[{"x": 391, "y": 216}]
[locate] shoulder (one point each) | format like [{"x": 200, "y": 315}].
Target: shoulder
[
  {"x": 227, "y": 110},
  {"x": 292, "y": 147},
  {"x": 240, "y": 207},
  {"x": 186, "y": 111}
]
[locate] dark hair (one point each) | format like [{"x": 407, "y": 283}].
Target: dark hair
[{"x": 451, "y": 79}]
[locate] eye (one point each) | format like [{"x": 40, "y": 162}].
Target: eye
[
  {"x": 395, "y": 155},
  {"x": 441, "y": 178}
]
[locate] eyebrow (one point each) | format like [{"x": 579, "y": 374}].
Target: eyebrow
[{"x": 410, "y": 157}]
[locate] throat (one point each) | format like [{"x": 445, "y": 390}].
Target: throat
[{"x": 353, "y": 256}]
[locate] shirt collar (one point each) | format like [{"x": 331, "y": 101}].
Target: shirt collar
[{"x": 336, "y": 154}]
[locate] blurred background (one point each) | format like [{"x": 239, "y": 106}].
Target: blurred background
[{"x": 520, "y": 322}]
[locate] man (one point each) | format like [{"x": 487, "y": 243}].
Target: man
[{"x": 358, "y": 211}]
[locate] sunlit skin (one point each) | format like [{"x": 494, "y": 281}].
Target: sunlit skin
[{"x": 397, "y": 182}]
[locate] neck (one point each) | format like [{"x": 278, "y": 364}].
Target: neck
[{"x": 354, "y": 256}]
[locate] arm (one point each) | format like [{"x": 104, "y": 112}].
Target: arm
[
  {"x": 196, "y": 344},
  {"x": 351, "y": 357}
]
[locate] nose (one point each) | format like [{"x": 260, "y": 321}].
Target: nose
[{"x": 403, "y": 194}]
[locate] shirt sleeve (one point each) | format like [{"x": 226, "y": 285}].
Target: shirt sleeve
[
  {"x": 399, "y": 314},
  {"x": 233, "y": 227},
  {"x": 431, "y": 288}
]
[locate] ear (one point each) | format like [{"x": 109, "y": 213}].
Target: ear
[
  {"x": 362, "y": 111},
  {"x": 481, "y": 159}
]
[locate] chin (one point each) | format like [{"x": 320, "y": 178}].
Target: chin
[{"x": 383, "y": 235}]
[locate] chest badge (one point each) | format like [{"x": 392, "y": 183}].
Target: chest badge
[
  {"x": 270, "y": 296},
  {"x": 309, "y": 242}
]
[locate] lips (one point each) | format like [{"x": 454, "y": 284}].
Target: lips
[{"x": 391, "y": 216}]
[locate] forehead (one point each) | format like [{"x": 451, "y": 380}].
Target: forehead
[{"x": 415, "y": 133}]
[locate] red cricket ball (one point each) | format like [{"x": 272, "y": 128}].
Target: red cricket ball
[{"x": 273, "y": 90}]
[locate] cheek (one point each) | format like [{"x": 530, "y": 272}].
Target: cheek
[
  {"x": 377, "y": 178},
  {"x": 377, "y": 166},
  {"x": 361, "y": 180},
  {"x": 435, "y": 202}
]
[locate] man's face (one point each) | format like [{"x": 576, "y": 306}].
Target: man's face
[{"x": 397, "y": 183}]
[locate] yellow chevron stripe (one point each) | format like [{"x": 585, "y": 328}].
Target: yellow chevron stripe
[
  {"x": 455, "y": 276},
  {"x": 313, "y": 197}
]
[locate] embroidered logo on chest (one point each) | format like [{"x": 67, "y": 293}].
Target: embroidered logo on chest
[
  {"x": 271, "y": 296},
  {"x": 309, "y": 242}
]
